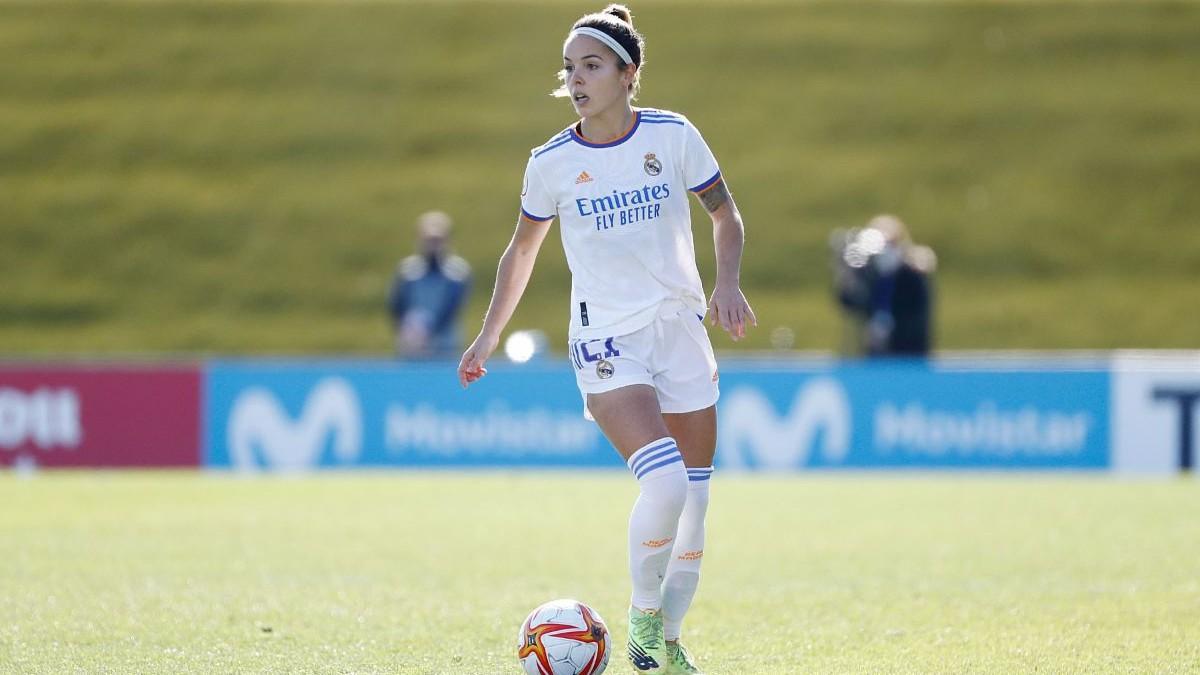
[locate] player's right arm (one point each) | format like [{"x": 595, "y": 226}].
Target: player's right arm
[{"x": 512, "y": 276}]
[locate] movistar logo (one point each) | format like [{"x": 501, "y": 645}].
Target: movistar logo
[
  {"x": 647, "y": 194},
  {"x": 753, "y": 434},
  {"x": 259, "y": 427}
]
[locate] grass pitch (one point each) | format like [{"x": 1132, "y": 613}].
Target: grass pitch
[{"x": 428, "y": 573}]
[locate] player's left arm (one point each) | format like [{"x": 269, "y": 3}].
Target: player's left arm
[{"x": 728, "y": 306}]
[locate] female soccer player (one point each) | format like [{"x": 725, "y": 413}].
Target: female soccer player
[{"x": 642, "y": 359}]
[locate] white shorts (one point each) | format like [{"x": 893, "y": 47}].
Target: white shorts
[{"x": 671, "y": 354}]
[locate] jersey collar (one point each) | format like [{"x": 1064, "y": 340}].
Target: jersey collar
[{"x": 637, "y": 120}]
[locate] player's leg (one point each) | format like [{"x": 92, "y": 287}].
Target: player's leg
[
  {"x": 629, "y": 417},
  {"x": 631, "y": 420},
  {"x": 696, "y": 434},
  {"x": 686, "y": 382}
]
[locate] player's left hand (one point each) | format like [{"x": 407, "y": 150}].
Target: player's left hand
[{"x": 728, "y": 308}]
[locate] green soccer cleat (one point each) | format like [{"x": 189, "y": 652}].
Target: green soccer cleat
[
  {"x": 647, "y": 648},
  {"x": 679, "y": 661}
]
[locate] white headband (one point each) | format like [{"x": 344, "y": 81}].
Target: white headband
[{"x": 605, "y": 38}]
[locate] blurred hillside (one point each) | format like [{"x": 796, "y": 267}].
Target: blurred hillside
[{"x": 241, "y": 177}]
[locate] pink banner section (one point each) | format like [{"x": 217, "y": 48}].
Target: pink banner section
[{"x": 100, "y": 416}]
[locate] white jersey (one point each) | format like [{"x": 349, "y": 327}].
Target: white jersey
[{"x": 625, "y": 219}]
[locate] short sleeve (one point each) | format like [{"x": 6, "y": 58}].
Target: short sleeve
[
  {"x": 700, "y": 170},
  {"x": 537, "y": 204}
]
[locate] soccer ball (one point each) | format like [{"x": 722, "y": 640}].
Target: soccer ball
[{"x": 564, "y": 637}]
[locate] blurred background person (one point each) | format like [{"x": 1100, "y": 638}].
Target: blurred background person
[
  {"x": 428, "y": 291},
  {"x": 884, "y": 283}
]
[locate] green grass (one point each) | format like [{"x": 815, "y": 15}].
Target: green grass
[
  {"x": 242, "y": 176},
  {"x": 433, "y": 572}
]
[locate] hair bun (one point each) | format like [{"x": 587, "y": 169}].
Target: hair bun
[{"x": 621, "y": 12}]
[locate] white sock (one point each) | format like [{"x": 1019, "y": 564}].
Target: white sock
[
  {"x": 683, "y": 572},
  {"x": 660, "y": 473}
]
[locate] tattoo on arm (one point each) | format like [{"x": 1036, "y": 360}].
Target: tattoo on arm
[{"x": 714, "y": 197}]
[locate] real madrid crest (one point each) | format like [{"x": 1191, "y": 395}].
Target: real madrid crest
[
  {"x": 652, "y": 165},
  {"x": 604, "y": 369}
]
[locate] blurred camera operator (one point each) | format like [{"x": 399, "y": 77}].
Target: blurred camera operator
[{"x": 884, "y": 284}]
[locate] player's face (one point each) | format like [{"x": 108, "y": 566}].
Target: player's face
[{"x": 593, "y": 76}]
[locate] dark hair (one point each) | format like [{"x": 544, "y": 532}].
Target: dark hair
[{"x": 617, "y": 22}]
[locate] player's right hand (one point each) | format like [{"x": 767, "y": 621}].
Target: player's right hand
[{"x": 470, "y": 367}]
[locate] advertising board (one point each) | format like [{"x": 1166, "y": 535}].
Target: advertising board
[
  {"x": 338, "y": 414},
  {"x": 909, "y": 414},
  {"x": 780, "y": 417},
  {"x": 100, "y": 416},
  {"x": 1156, "y": 403}
]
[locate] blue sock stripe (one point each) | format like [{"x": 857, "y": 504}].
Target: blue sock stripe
[
  {"x": 670, "y": 460},
  {"x": 647, "y": 459},
  {"x": 697, "y": 477},
  {"x": 639, "y": 456},
  {"x": 661, "y": 443}
]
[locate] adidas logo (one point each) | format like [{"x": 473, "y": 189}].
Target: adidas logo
[
  {"x": 640, "y": 659},
  {"x": 583, "y": 178}
]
